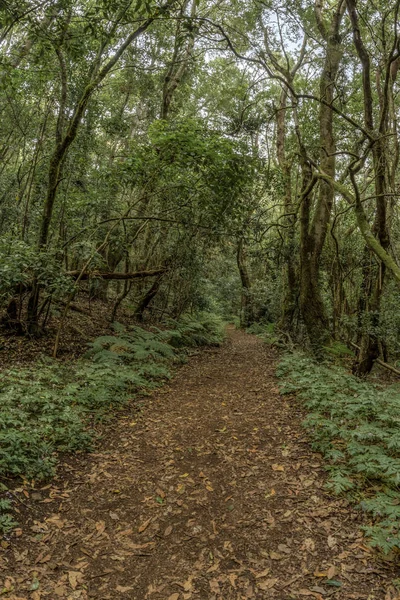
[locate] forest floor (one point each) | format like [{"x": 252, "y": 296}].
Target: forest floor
[{"x": 208, "y": 491}]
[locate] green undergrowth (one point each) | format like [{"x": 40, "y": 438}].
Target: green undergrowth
[
  {"x": 356, "y": 426},
  {"x": 266, "y": 332},
  {"x": 52, "y": 407},
  {"x": 207, "y": 329}
]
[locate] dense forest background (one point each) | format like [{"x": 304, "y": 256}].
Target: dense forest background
[{"x": 240, "y": 158}]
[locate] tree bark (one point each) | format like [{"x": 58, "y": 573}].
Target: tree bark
[
  {"x": 146, "y": 299},
  {"x": 373, "y": 282},
  {"x": 291, "y": 282},
  {"x": 314, "y": 229},
  {"x": 247, "y": 309}
]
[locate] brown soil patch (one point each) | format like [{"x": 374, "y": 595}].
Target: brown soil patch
[
  {"x": 211, "y": 492},
  {"x": 79, "y": 329}
]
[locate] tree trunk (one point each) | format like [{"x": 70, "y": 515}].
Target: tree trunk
[
  {"x": 313, "y": 232},
  {"x": 146, "y": 299},
  {"x": 289, "y": 305},
  {"x": 311, "y": 303},
  {"x": 373, "y": 280},
  {"x": 247, "y": 309}
]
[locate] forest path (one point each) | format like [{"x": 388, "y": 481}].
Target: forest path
[{"x": 211, "y": 492}]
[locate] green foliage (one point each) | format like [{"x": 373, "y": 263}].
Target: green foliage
[
  {"x": 204, "y": 329},
  {"x": 54, "y": 407},
  {"x": 54, "y": 401},
  {"x": 266, "y": 332},
  {"x": 356, "y": 426},
  {"x": 6, "y": 520},
  {"x": 20, "y": 263},
  {"x": 337, "y": 349}
]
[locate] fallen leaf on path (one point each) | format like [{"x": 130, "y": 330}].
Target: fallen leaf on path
[
  {"x": 232, "y": 579},
  {"x": 320, "y": 573},
  {"x": 317, "y": 589},
  {"x": 43, "y": 559},
  {"x": 122, "y": 589},
  {"x": 61, "y": 591},
  {"x": 8, "y": 584},
  {"x": 309, "y": 545},
  {"x": 187, "y": 586},
  {"x": 100, "y": 527},
  {"x": 278, "y": 468},
  {"x": 267, "y": 584},
  {"x": 250, "y": 592},
  {"x": 331, "y": 572},
  {"x": 331, "y": 541},
  {"x": 262, "y": 573},
  {"x": 73, "y": 577},
  {"x": 334, "y": 583},
  {"x": 57, "y": 521},
  {"x": 138, "y": 546},
  {"x": 214, "y": 567},
  {"x": 144, "y": 525},
  {"x": 35, "y": 584},
  {"x": 173, "y": 597},
  {"x": 214, "y": 586},
  {"x": 125, "y": 532}
]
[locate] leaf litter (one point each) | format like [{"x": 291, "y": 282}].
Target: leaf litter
[{"x": 213, "y": 494}]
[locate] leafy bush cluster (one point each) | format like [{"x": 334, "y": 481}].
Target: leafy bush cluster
[
  {"x": 356, "y": 425},
  {"x": 53, "y": 407},
  {"x": 20, "y": 264}
]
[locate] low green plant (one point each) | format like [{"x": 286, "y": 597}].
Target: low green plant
[
  {"x": 266, "y": 332},
  {"x": 46, "y": 408},
  {"x": 52, "y": 407},
  {"x": 356, "y": 425},
  {"x": 203, "y": 329},
  {"x": 338, "y": 350},
  {"x": 6, "y": 520}
]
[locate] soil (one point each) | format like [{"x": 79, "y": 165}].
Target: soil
[
  {"x": 208, "y": 489},
  {"x": 86, "y": 320}
]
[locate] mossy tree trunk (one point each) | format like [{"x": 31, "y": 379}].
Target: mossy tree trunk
[{"x": 314, "y": 221}]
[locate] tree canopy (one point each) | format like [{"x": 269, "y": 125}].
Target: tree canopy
[{"x": 179, "y": 155}]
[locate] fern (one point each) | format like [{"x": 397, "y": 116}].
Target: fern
[
  {"x": 355, "y": 424},
  {"x": 57, "y": 405},
  {"x": 204, "y": 329}
]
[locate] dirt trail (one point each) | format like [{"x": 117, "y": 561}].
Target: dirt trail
[{"x": 212, "y": 492}]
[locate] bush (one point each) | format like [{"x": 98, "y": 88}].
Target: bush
[
  {"x": 21, "y": 263},
  {"x": 355, "y": 424}
]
